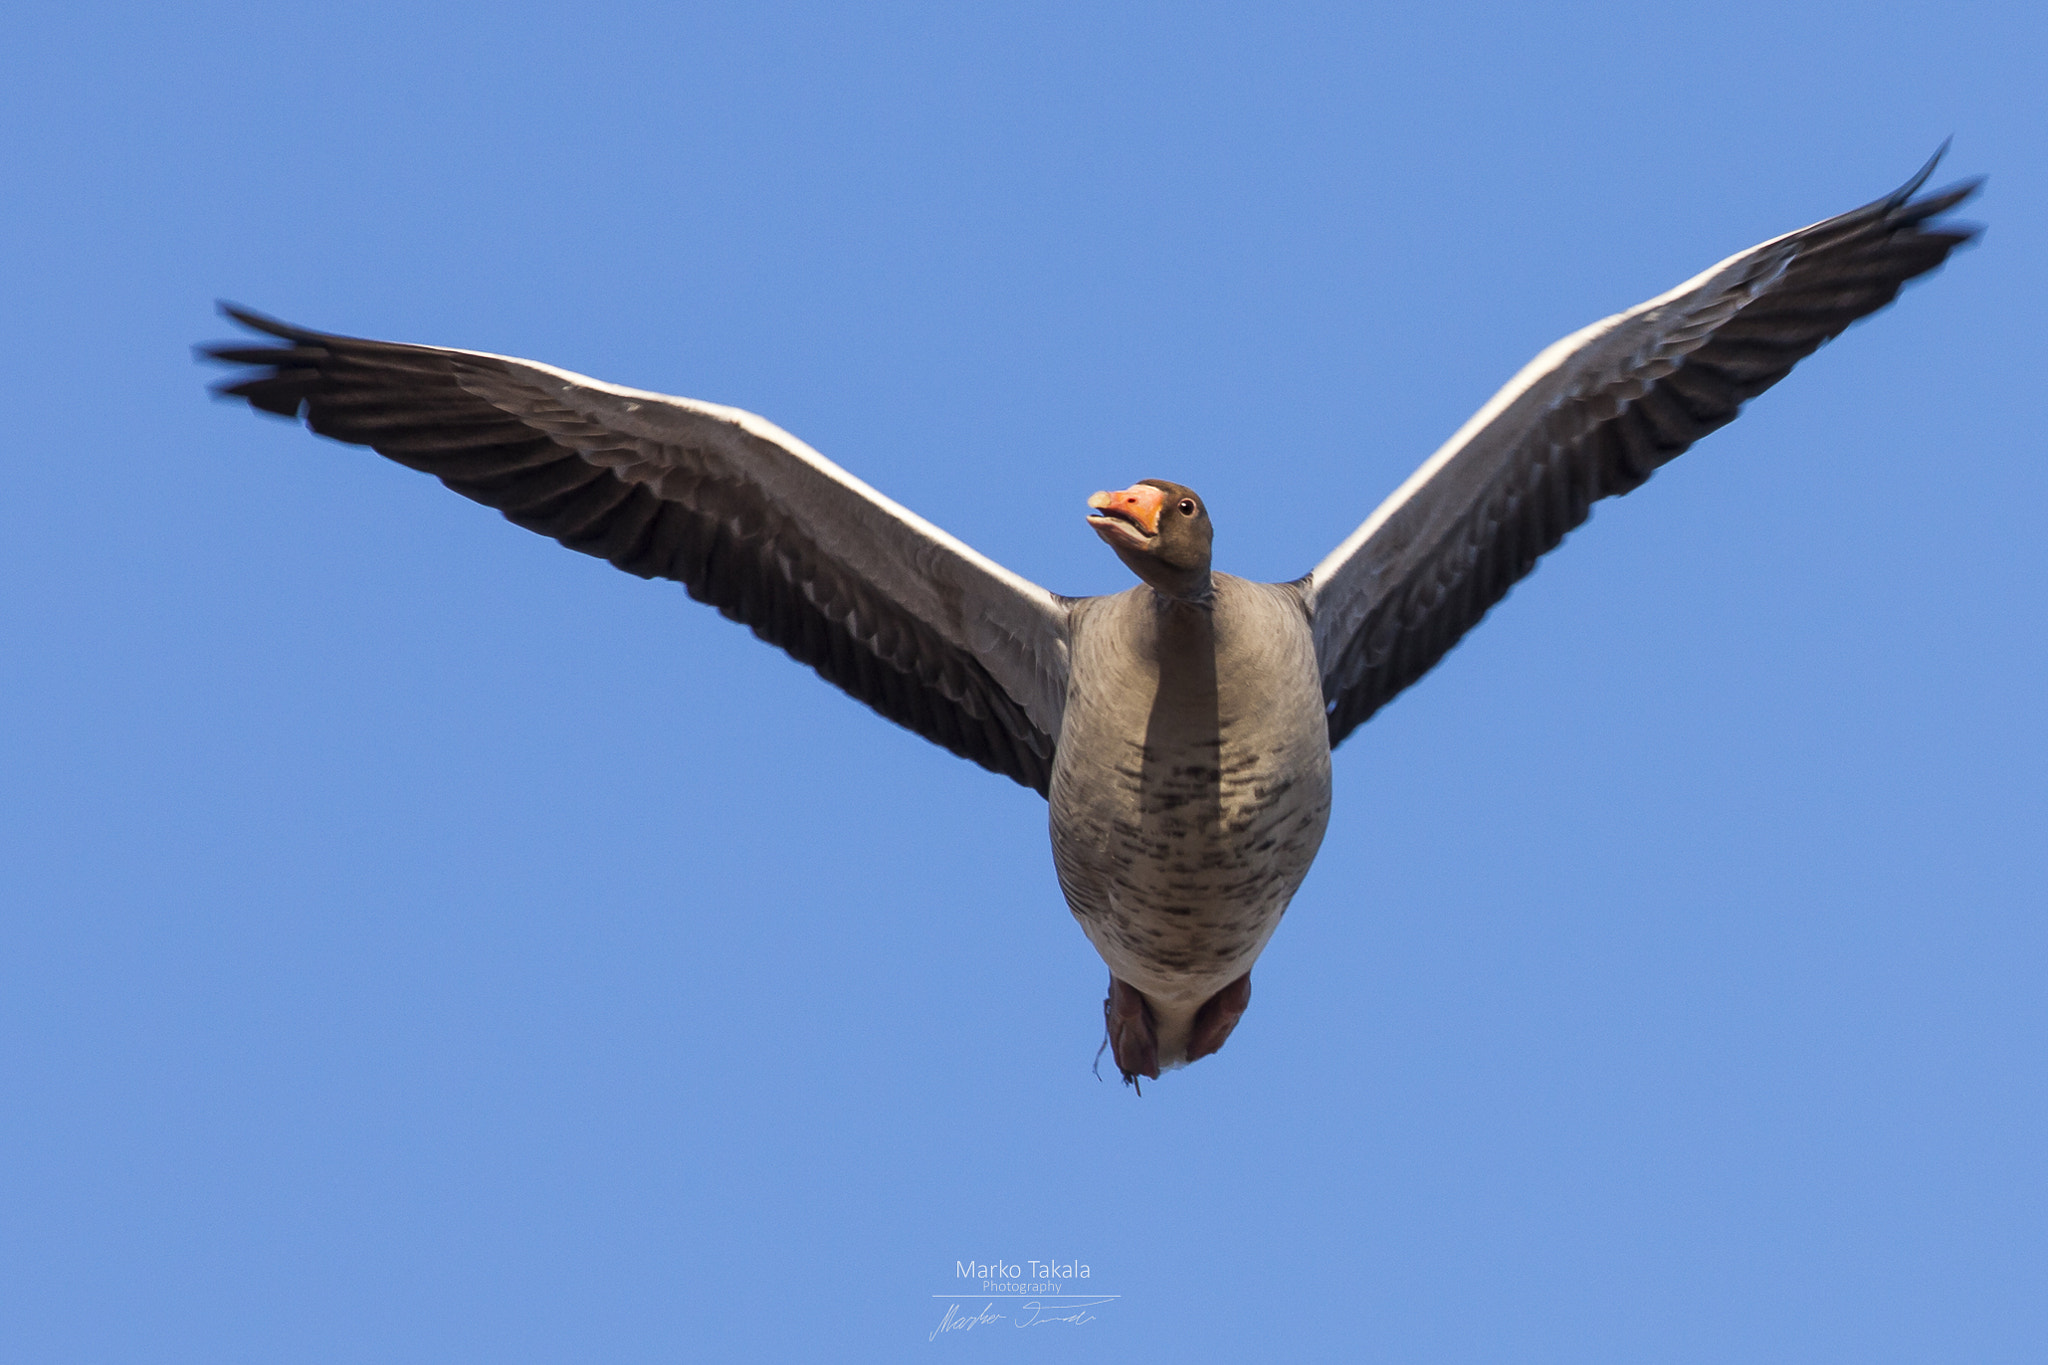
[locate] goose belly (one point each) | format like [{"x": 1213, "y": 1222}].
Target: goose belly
[{"x": 1191, "y": 786}]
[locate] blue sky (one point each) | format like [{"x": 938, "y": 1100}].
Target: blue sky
[{"x": 425, "y": 944}]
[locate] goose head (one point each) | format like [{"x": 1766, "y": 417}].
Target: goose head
[{"x": 1161, "y": 531}]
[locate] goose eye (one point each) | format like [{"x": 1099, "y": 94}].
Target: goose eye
[{"x": 1187, "y": 507}]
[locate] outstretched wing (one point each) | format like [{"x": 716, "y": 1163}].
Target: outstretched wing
[
  {"x": 1591, "y": 417},
  {"x": 879, "y": 601}
]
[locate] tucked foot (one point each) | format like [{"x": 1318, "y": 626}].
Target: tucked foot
[
  {"x": 1215, "y": 1020},
  {"x": 1132, "y": 1040}
]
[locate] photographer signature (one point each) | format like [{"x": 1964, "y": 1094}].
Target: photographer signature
[{"x": 1031, "y": 1313}]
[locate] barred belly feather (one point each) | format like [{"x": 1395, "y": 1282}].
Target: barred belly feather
[{"x": 1191, "y": 785}]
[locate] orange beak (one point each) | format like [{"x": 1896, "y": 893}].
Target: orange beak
[{"x": 1140, "y": 504}]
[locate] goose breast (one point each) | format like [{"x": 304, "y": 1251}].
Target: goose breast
[{"x": 1191, "y": 783}]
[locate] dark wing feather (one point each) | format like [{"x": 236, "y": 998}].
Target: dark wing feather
[
  {"x": 1591, "y": 417},
  {"x": 882, "y": 604}
]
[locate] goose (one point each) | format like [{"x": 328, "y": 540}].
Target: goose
[{"x": 1180, "y": 730}]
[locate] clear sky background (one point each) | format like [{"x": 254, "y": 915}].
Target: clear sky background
[{"x": 424, "y": 944}]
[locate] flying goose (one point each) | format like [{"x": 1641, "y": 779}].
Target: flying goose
[{"x": 1181, "y": 730}]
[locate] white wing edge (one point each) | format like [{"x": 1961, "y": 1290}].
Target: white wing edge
[
  {"x": 1550, "y": 360},
  {"x": 756, "y": 425},
  {"x": 1041, "y": 691}
]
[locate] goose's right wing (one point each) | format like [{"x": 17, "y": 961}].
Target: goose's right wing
[
  {"x": 1589, "y": 418},
  {"x": 879, "y": 601}
]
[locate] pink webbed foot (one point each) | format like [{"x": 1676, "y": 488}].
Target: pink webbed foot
[
  {"x": 1215, "y": 1020},
  {"x": 1131, "y": 1038}
]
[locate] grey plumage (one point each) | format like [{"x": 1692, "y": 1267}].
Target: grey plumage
[{"x": 1192, "y": 786}]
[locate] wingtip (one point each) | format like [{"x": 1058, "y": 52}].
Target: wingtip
[
  {"x": 240, "y": 387},
  {"x": 254, "y": 321},
  {"x": 1949, "y": 197},
  {"x": 1900, "y": 210},
  {"x": 262, "y": 322},
  {"x": 1912, "y": 187}
]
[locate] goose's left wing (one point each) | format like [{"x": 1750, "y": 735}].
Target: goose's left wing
[
  {"x": 1589, "y": 418},
  {"x": 905, "y": 618}
]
